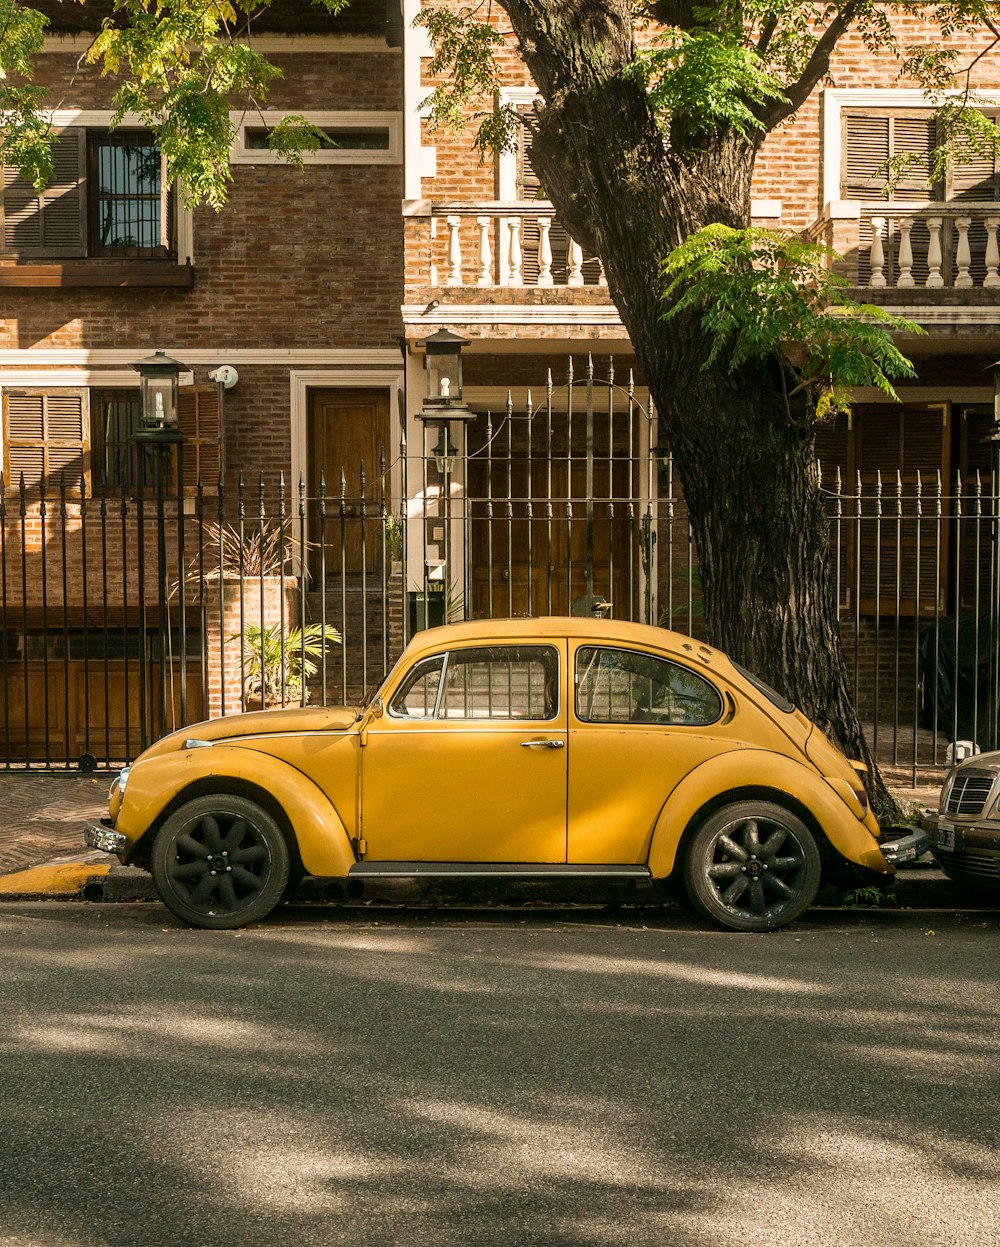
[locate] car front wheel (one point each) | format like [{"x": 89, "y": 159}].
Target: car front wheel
[
  {"x": 752, "y": 866},
  {"x": 220, "y": 862}
]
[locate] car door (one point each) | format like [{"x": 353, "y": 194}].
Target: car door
[
  {"x": 468, "y": 761},
  {"x": 639, "y": 723}
]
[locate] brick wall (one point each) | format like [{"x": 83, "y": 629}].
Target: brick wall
[{"x": 297, "y": 258}]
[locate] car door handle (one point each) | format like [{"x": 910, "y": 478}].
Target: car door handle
[{"x": 543, "y": 744}]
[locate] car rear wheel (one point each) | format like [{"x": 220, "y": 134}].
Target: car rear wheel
[
  {"x": 752, "y": 866},
  {"x": 220, "y": 862}
]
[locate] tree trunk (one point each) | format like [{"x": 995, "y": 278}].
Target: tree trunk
[{"x": 747, "y": 468}]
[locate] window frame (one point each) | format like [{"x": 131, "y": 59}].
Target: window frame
[
  {"x": 241, "y": 153},
  {"x": 449, "y": 659}
]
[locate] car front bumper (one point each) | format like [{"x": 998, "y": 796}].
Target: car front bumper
[
  {"x": 967, "y": 849},
  {"x": 906, "y": 847},
  {"x": 102, "y": 835}
]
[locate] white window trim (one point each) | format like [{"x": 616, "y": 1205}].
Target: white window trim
[
  {"x": 241, "y": 154},
  {"x": 835, "y": 99},
  {"x": 507, "y": 163},
  {"x": 100, "y": 118}
]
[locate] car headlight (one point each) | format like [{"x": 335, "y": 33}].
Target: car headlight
[
  {"x": 949, "y": 783},
  {"x": 115, "y": 795}
]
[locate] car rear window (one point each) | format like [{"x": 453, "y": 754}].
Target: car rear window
[
  {"x": 627, "y": 686},
  {"x": 772, "y": 695}
]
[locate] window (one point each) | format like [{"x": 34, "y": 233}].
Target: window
[
  {"x": 494, "y": 682},
  {"x": 106, "y": 199},
  {"x": 501, "y": 682},
  {"x": 624, "y": 686},
  {"x": 417, "y": 699},
  {"x": 84, "y": 438},
  {"x": 352, "y": 138},
  {"x": 874, "y": 137},
  {"x": 341, "y": 138}
]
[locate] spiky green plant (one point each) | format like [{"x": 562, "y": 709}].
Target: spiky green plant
[{"x": 277, "y": 662}]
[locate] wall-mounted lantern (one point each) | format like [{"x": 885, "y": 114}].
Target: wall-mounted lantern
[{"x": 158, "y": 383}]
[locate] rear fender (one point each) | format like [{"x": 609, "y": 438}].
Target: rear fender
[
  {"x": 773, "y": 777},
  {"x": 158, "y": 784}
]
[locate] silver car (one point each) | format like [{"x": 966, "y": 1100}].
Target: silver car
[{"x": 966, "y": 839}]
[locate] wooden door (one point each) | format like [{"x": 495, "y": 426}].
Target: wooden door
[
  {"x": 533, "y": 557},
  {"x": 348, "y": 431}
]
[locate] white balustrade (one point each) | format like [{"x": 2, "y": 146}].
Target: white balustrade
[
  {"x": 992, "y": 277},
  {"x": 574, "y": 263},
  {"x": 544, "y": 252},
  {"x": 905, "y": 252},
  {"x": 454, "y": 251},
  {"x": 956, "y": 245},
  {"x": 489, "y": 245},
  {"x": 485, "y": 252},
  {"x": 877, "y": 279},
  {"x": 963, "y": 256},
  {"x": 515, "y": 276}
]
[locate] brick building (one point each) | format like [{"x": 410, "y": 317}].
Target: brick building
[
  {"x": 310, "y": 282},
  {"x": 913, "y": 521},
  {"x": 295, "y": 286}
]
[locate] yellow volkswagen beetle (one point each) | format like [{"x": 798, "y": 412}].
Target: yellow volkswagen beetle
[{"x": 523, "y": 749}]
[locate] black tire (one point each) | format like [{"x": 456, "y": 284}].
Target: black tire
[
  {"x": 752, "y": 866},
  {"x": 220, "y": 862}
]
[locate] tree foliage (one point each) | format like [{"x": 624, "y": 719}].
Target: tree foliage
[{"x": 761, "y": 294}]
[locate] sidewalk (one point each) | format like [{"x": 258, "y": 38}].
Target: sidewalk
[{"x": 42, "y": 852}]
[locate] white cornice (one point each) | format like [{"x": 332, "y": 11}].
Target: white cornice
[
  {"x": 988, "y": 316},
  {"x": 510, "y": 314},
  {"x": 64, "y": 357}
]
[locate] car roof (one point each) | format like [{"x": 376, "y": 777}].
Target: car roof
[{"x": 548, "y": 627}]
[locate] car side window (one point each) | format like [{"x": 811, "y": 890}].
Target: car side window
[
  {"x": 501, "y": 682},
  {"x": 417, "y": 697},
  {"x": 625, "y": 686}
]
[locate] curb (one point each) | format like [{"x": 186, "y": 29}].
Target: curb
[{"x": 84, "y": 876}]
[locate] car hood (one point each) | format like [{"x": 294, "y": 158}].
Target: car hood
[{"x": 256, "y": 722}]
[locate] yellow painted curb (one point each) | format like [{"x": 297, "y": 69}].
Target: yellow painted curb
[{"x": 60, "y": 878}]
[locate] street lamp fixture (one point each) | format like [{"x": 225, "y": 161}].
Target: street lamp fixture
[
  {"x": 445, "y": 453},
  {"x": 443, "y": 375},
  {"x": 158, "y": 383}
]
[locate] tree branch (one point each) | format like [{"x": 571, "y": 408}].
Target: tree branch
[{"x": 798, "y": 92}]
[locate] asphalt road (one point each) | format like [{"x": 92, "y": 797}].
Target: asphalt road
[{"x": 346, "y": 1076}]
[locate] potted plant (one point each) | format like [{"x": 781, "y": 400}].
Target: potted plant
[{"x": 277, "y": 663}]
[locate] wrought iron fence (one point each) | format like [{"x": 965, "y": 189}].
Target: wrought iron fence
[{"x": 125, "y": 616}]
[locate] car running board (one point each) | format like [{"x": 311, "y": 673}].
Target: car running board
[{"x": 494, "y": 870}]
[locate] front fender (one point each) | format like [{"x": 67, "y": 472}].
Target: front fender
[
  {"x": 154, "y": 783},
  {"x": 760, "y": 770}
]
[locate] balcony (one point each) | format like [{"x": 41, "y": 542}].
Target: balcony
[
  {"x": 500, "y": 264},
  {"x": 938, "y": 256}
]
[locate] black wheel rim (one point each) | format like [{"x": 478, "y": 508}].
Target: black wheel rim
[
  {"x": 220, "y": 864},
  {"x": 756, "y": 869}
]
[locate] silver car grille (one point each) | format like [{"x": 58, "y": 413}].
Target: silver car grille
[
  {"x": 971, "y": 865},
  {"x": 969, "y": 793}
]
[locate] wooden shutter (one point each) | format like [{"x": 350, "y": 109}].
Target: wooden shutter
[
  {"x": 529, "y": 187},
  {"x": 199, "y": 417},
  {"x": 870, "y": 141},
  {"x": 976, "y": 454},
  {"x": 47, "y": 441},
  {"x": 915, "y": 442},
  {"x": 50, "y": 223}
]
